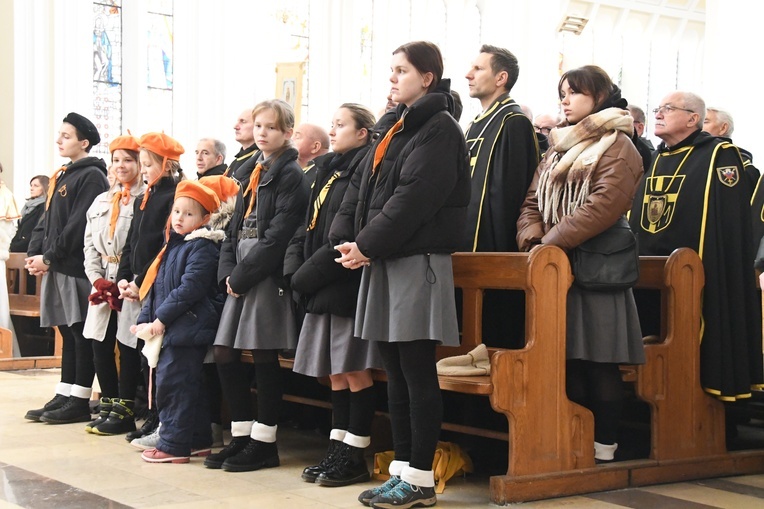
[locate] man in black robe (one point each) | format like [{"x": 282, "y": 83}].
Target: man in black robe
[
  {"x": 504, "y": 154},
  {"x": 695, "y": 194},
  {"x": 243, "y": 163}
]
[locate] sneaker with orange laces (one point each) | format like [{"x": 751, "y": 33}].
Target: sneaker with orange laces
[{"x": 156, "y": 456}]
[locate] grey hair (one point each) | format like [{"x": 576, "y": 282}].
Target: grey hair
[
  {"x": 637, "y": 113},
  {"x": 724, "y": 117},
  {"x": 695, "y": 103},
  {"x": 217, "y": 145}
]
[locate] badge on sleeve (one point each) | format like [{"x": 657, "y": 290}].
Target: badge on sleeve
[{"x": 728, "y": 175}]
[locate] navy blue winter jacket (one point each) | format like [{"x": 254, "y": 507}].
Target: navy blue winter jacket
[{"x": 185, "y": 296}]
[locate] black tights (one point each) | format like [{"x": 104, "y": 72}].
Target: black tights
[
  {"x": 598, "y": 387},
  {"x": 112, "y": 385},
  {"x": 235, "y": 381},
  {"x": 414, "y": 400},
  {"x": 77, "y": 367}
]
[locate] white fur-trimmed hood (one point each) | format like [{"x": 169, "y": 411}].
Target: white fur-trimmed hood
[{"x": 215, "y": 236}]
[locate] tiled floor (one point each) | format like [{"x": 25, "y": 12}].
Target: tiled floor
[{"x": 46, "y": 466}]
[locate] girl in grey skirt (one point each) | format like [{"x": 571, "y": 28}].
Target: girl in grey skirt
[
  {"x": 259, "y": 313},
  {"x": 584, "y": 184},
  {"x": 58, "y": 255},
  {"x": 400, "y": 223},
  {"x": 327, "y": 346}
]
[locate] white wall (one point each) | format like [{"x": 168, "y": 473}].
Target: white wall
[{"x": 225, "y": 54}]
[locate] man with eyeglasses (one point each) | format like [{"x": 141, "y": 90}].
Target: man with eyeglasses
[
  {"x": 695, "y": 195},
  {"x": 504, "y": 154},
  {"x": 543, "y": 125}
]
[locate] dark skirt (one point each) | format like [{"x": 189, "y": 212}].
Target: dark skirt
[
  {"x": 327, "y": 347},
  {"x": 604, "y": 327},
  {"x": 408, "y": 299}
]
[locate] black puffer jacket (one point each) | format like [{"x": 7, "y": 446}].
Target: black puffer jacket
[
  {"x": 416, "y": 202},
  {"x": 63, "y": 228},
  {"x": 281, "y": 201},
  {"x": 146, "y": 235},
  {"x": 326, "y": 286}
]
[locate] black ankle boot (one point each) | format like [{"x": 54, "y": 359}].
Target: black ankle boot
[
  {"x": 54, "y": 404},
  {"x": 120, "y": 420},
  {"x": 254, "y": 456},
  {"x": 151, "y": 423},
  {"x": 236, "y": 445},
  {"x": 348, "y": 468},
  {"x": 104, "y": 409},
  {"x": 74, "y": 410},
  {"x": 310, "y": 473}
]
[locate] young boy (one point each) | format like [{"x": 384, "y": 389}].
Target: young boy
[{"x": 184, "y": 304}]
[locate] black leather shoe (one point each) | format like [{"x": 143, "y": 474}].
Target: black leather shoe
[
  {"x": 74, "y": 410},
  {"x": 57, "y": 402},
  {"x": 310, "y": 473},
  {"x": 348, "y": 468},
  {"x": 254, "y": 456},
  {"x": 236, "y": 445}
]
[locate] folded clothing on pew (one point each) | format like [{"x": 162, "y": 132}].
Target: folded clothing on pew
[{"x": 474, "y": 363}]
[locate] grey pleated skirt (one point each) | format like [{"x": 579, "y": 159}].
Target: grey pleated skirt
[
  {"x": 604, "y": 327},
  {"x": 407, "y": 299},
  {"x": 63, "y": 299},
  {"x": 327, "y": 347},
  {"x": 262, "y": 319}
]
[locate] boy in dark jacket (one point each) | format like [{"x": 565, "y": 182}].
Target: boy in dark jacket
[{"x": 183, "y": 304}]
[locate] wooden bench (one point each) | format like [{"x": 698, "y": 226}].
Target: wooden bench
[
  {"x": 551, "y": 444},
  {"x": 25, "y": 302},
  {"x": 551, "y": 439}
]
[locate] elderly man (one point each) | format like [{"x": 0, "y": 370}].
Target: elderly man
[
  {"x": 310, "y": 141},
  {"x": 210, "y": 154},
  {"x": 504, "y": 154},
  {"x": 719, "y": 123},
  {"x": 695, "y": 195},
  {"x": 543, "y": 125}
]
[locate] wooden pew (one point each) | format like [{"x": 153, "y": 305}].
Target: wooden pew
[
  {"x": 25, "y": 301},
  {"x": 687, "y": 425},
  {"x": 551, "y": 440}
]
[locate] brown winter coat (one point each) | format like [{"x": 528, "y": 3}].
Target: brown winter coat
[{"x": 613, "y": 184}]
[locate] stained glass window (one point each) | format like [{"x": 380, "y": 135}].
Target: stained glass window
[{"x": 107, "y": 73}]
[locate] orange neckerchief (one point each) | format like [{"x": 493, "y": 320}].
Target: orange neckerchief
[
  {"x": 379, "y": 153},
  {"x": 254, "y": 180},
  {"x": 153, "y": 270},
  {"x": 52, "y": 184},
  {"x": 124, "y": 197}
]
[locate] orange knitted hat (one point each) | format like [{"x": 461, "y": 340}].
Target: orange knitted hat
[{"x": 196, "y": 191}]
